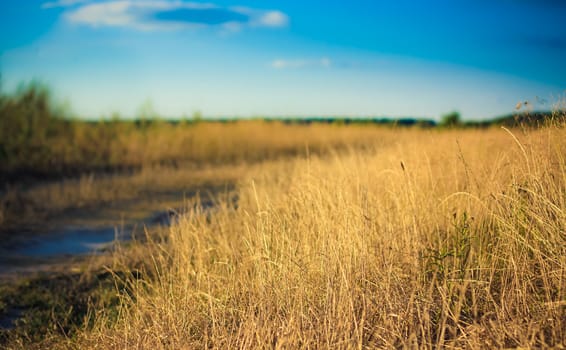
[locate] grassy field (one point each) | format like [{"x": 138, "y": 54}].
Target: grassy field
[
  {"x": 164, "y": 157},
  {"x": 341, "y": 237},
  {"x": 50, "y": 163},
  {"x": 39, "y": 140},
  {"x": 432, "y": 239}
]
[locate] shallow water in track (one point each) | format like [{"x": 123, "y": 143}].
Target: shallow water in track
[{"x": 79, "y": 233}]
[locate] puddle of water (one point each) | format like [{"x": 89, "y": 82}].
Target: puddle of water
[
  {"x": 71, "y": 241},
  {"x": 94, "y": 233},
  {"x": 9, "y": 318},
  {"x": 87, "y": 234}
]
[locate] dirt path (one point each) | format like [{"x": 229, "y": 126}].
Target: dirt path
[
  {"x": 41, "y": 259},
  {"x": 76, "y": 233}
]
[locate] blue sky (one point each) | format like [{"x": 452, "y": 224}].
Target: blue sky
[{"x": 289, "y": 58}]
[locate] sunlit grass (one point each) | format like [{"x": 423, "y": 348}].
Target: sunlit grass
[{"x": 452, "y": 238}]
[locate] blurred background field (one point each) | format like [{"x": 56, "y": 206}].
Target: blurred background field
[{"x": 40, "y": 139}]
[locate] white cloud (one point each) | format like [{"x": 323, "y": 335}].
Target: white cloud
[
  {"x": 104, "y": 14},
  {"x": 273, "y": 19},
  {"x": 261, "y": 18},
  {"x": 62, "y": 3},
  {"x": 323, "y": 62},
  {"x": 144, "y": 15}
]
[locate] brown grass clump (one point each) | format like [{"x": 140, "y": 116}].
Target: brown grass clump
[{"x": 442, "y": 239}]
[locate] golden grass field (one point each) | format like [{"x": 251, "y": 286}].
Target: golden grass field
[
  {"x": 433, "y": 239},
  {"x": 390, "y": 238}
]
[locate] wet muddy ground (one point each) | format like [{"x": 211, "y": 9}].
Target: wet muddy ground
[
  {"x": 47, "y": 250},
  {"x": 87, "y": 230}
]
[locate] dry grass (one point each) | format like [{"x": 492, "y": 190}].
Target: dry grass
[
  {"x": 437, "y": 239},
  {"x": 167, "y": 158},
  {"x": 75, "y": 147}
]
